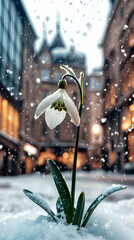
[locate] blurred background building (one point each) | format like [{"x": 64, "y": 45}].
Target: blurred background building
[
  {"x": 118, "y": 74},
  {"x": 16, "y": 80},
  {"x": 11, "y": 50},
  {"x": 27, "y": 76}
]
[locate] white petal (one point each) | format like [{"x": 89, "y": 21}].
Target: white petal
[
  {"x": 45, "y": 103},
  {"x": 54, "y": 117},
  {"x": 72, "y": 110}
]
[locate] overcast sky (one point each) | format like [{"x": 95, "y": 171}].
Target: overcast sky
[{"x": 82, "y": 22}]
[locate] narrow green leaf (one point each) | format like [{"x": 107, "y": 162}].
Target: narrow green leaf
[
  {"x": 69, "y": 71},
  {"x": 82, "y": 86},
  {"x": 40, "y": 202},
  {"x": 95, "y": 203},
  {"x": 62, "y": 190},
  {"x": 79, "y": 210}
]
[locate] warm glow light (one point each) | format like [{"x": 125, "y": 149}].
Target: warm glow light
[
  {"x": 131, "y": 40},
  {"x": 126, "y": 124},
  {"x": 131, "y": 107},
  {"x": 30, "y": 149},
  {"x": 65, "y": 155},
  {"x": 96, "y": 128}
]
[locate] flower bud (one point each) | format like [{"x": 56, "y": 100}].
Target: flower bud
[{"x": 62, "y": 84}]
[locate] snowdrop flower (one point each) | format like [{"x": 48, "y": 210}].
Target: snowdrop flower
[{"x": 56, "y": 106}]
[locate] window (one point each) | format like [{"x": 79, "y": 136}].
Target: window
[
  {"x": 44, "y": 129},
  {"x": 131, "y": 39},
  {"x": 121, "y": 12},
  {"x": 107, "y": 100},
  {"x": 56, "y": 76},
  {"x": 57, "y": 132},
  {"x": 46, "y": 58},
  {"x": 6, "y": 19},
  {"x": 13, "y": 13},
  {"x": 1, "y": 32},
  {"x": 45, "y": 93},
  {"x": 4, "y": 115},
  {"x": 26, "y": 124},
  {"x": 131, "y": 146},
  {"x": 45, "y": 75},
  {"x": 16, "y": 124},
  {"x": 95, "y": 84},
  {"x": 112, "y": 94},
  {"x": 0, "y": 109},
  {"x": 10, "y": 119},
  {"x": 126, "y": 83}
]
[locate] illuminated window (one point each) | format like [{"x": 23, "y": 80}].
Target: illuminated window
[
  {"x": 126, "y": 120},
  {"x": 113, "y": 94},
  {"x": 131, "y": 147},
  {"x": 10, "y": 119},
  {"x": 131, "y": 40},
  {"x": 0, "y": 112},
  {"x": 0, "y": 106},
  {"x": 107, "y": 100},
  {"x": 127, "y": 84},
  {"x": 16, "y": 124},
  {"x": 29, "y": 164},
  {"x": 4, "y": 115},
  {"x": 132, "y": 75}
]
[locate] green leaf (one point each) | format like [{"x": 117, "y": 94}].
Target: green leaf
[
  {"x": 60, "y": 209},
  {"x": 79, "y": 210},
  {"x": 95, "y": 203},
  {"x": 40, "y": 202},
  {"x": 69, "y": 71},
  {"x": 62, "y": 190}
]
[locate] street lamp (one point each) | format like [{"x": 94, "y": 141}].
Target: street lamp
[
  {"x": 30, "y": 149},
  {"x": 96, "y": 129}
]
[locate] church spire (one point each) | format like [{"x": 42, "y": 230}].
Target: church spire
[
  {"x": 58, "y": 41},
  {"x": 44, "y": 31},
  {"x": 58, "y": 22}
]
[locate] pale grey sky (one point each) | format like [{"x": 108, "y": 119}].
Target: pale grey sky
[{"x": 83, "y": 24}]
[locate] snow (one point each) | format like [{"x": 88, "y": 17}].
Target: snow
[
  {"x": 21, "y": 219},
  {"x": 68, "y": 69},
  {"x": 113, "y": 188}
]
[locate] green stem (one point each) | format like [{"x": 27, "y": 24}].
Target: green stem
[
  {"x": 75, "y": 163},
  {"x": 77, "y": 139}
]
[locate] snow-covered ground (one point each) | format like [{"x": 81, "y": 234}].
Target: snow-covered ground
[{"x": 113, "y": 219}]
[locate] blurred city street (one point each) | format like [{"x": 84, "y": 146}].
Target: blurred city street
[{"x": 66, "y": 96}]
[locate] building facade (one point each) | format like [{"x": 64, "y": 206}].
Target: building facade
[
  {"x": 10, "y": 85},
  {"x": 118, "y": 73},
  {"x": 16, "y": 51}
]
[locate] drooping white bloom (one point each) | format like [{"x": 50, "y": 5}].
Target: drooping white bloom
[{"x": 55, "y": 107}]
